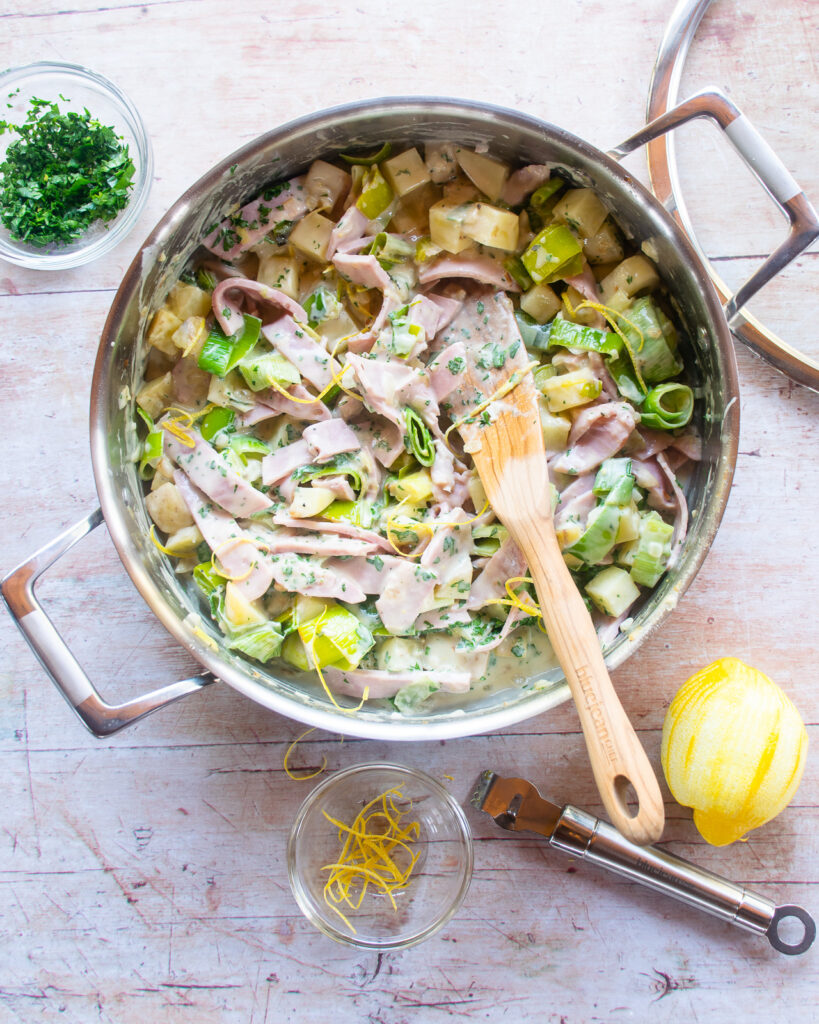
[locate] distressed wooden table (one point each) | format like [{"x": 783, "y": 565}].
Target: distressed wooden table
[{"x": 143, "y": 879}]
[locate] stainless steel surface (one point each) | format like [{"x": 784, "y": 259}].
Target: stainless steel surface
[
  {"x": 662, "y": 168},
  {"x": 516, "y": 805},
  {"x": 100, "y": 718},
  {"x": 289, "y": 149}
]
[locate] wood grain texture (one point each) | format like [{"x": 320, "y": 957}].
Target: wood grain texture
[{"x": 144, "y": 879}]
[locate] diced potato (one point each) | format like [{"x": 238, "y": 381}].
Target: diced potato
[
  {"x": 184, "y": 542},
  {"x": 280, "y": 272},
  {"x": 167, "y": 508},
  {"x": 541, "y": 302},
  {"x": 487, "y": 174},
  {"x": 239, "y": 611},
  {"x": 586, "y": 315},
  {"x": 188, "y": 300},
  {"x": 405, "y": 172},
  {"x": 311, "y": 236},
  {"x": 190, "y": 335},
  {"x": 490, "y": 226},
  {"x": 310, "y": 501},
  {"x": 446, "y": 225},
  {"x": 571, "y": 389},
  {"x": 629, "y": 527},
  {"x": 331, "y": 331},
  {"x": 568, "y": 534},
  {"x": 555, "y": 429},
  {"x": 440, "y": 160},
  {"x": 613, "y": 591},
  {"x": 308, "y": 608},
  {"x": 156, "y": 396},
  {"x": 163, "y": 327},
  {"x": 604, "y": 246},
  {"x": 633, "y": 275},
  {"x": 397, "y": 654},
  {"x": 163, "y": 473},
  {"x": 325, "y": 185},
  {"x": 583, "y": 210}
]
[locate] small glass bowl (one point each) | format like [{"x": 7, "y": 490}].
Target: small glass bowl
[
  {"x": 439, "y": 880},
  {"x": 82, "y": 88}
]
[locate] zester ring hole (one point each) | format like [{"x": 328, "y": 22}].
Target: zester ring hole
[
  {"x": 780, "y": 943},
  {"x": 626, "y": 797}
]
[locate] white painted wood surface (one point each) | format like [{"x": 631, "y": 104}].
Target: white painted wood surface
[{"x": 144, "y": 879}]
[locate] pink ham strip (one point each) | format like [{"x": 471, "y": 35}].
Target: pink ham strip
[
  {"x": 227, "y": 540},
  {"x": 281, "y": 463},
  {"x": 522, "y": 183},
  {"x": 576, "y": 501},
  {"x": 448, "y": 308},
  {"x": 512, "y": 619},
  {"x": 586, "y": 284},
  {"x": 364, "y": 340},
  {"x": 363, "y": 270},
  {"x": 507, "y": 563},
  {"x": 383, "y": 438},
  {"x": 278, "y": 402},
  {"x": 597, "y": 433},
  {"x": 407, "y": 588},
  {"x": 310, "y": 359},
  {"x": 681, "y": 514},
  {"x": 379, "y": 683},
  {"x": 304, "y": 574},
  {"x": 352, "y": 226},
  {"x": 281, "y": 540},
  {"x": 442, "y": 379},
  {"x": 329, "y": 438},
  {"x": 227, "y": 310},
  {"x": 289, "y": 204},
  {"x": 442, "y": 618},
  {"x": 339, "y": 486},
  {"x": 474, "y": 268},
  {"x": 211, "y": 474},
  {"x": 344, "y": 529},
  {"x": 384, "y": 383},
  {"x": 650, "y": 477},
  {"x": 367, "y": 573}
]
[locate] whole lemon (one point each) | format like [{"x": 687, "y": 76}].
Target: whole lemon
[{"x": 733, "y": 748}]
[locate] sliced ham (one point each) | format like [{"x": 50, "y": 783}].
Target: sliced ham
[
  {"x": 507, "y": 563},
  {"x": 352, "y": 226},
  {"x": 339, "y": 487},
  {"x": 388, "y": 385},
  {"x": 598, "y": 432},
  {"x": 512, "y": 619},
  {"x": 342, "y": 528},
  {"x": 442, "y": 618},
  {"x": 474, "y": 267},
  {"x": 227, "y": 540},
  {"x": 237, "y": 233},
  {"x": 363, "y": 270},
  {"x": 281, "y": 463},
  {"x": 649, "y": 476},
  {"x": 522, "y": 183},
  {"x": 330, "y": 438},
  {"x": 302, "y": 409},
  {"x": 407, "y": 589},
  {"x": 369, "y": 573},
  {"x": 307, "y": 355},
  {"x": 211, "y": 474},
  {"x": 327, "y": 545},
  {"x": 380, "y": 683},
  {"x": 384, "y": 439},
  {"x": 364, "y": 340},
  {"x": 190, "y": 384},
  {"x": 447, "y": 370},
  {"x": 448, "y": 308},
  {"x": 576, "y": 501},
  {"x": 228, "y": 295},
  {"x": 304, "y": 574}
]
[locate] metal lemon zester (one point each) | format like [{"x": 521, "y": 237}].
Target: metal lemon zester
[{"x": 517, "y": 806}]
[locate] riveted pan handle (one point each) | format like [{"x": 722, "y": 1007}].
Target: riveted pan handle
[
  {"x": 101, "y": 718},
  {"x": 765, "y": 165}
]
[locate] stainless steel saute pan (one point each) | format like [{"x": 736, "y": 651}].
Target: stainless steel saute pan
[{"x": 277, "y": 155}]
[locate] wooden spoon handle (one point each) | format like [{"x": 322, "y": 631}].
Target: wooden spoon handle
[{"x": 616, "y": 754}]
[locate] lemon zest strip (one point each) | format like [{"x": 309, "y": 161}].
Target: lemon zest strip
[{"x": 310, "y": 775}]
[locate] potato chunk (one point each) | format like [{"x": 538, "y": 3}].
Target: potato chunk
[
  {"x": 311, "y": 236},
  {"x": 163, "y": 327},
  {"x": 167, "y": 508},
  {"x": 156, "y": 396}
]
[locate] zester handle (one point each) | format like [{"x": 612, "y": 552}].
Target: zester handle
[{"x": 582, "y": 835}]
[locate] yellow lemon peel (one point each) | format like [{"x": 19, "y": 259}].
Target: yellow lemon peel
[
  {"x": 416, "y": 525},
  {"x": 376, "y": 853},
  {"x": 612, "y": 316},
  {"x": 287, "y": 753}
]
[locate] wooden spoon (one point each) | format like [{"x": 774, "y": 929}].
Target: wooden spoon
[{"x": 506, "y": 441}]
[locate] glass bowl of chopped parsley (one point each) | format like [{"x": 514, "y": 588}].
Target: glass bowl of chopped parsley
[{"x": 75, "y": 166}]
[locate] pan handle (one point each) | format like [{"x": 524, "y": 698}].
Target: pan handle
[
  {"x": 100, "y": 718},
  {"x": 766, "y": 167}
]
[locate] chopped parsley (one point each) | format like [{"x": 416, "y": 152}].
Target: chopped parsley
[{"x": 64, "y": 173}]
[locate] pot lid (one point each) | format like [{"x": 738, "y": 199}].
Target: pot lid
[{"x": 798, "y": 358}]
